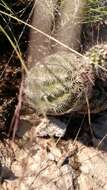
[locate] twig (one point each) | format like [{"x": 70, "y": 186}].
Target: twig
[{"x": 16, "y": 116}]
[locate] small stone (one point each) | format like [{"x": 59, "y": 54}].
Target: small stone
[{"x": 52, "y": 127}]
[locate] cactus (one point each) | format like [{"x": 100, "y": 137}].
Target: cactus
[
  {"x": 68, "y": 23},
  {"x": 59, "y": 83},
  {"x": 98, "y": 58}
]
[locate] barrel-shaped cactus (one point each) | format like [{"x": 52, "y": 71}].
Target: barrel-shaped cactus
[
  {"x": 61, "y": 82},
  {"x": 98, "y": 58}
]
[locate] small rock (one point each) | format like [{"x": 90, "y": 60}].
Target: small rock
[
  {"x": 93, "y": 169},
  {"x": 52, "y": 127}
]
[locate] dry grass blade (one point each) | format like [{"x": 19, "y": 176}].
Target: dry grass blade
[
  {"x": 15, "y": 48},
  {"x": 43, "y": 33}
]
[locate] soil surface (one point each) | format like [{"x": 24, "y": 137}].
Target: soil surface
[{"x": 10, "y": 78}]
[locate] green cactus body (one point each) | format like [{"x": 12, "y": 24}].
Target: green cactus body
[
  {"x": 58, "y": 83},
  {"x": 98, "y": 58}
]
